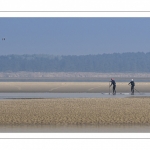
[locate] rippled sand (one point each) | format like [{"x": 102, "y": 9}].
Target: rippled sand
[{"x": 75, "y": 111}]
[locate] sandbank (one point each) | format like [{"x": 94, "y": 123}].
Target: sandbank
[{"x": 70, "y": 87}]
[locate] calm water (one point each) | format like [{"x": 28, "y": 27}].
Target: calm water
[
  {"x": 67, "y": 95},
  {"x": 73, "y": 79}
]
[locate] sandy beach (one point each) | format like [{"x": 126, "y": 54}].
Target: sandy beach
[
  {"x": 75, "y": 111},
  {"x": 70, "y": 87}
]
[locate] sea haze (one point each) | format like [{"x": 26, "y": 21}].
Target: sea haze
[{"x": 74, "y": 36}]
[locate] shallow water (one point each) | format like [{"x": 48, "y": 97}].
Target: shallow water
[{"x": 67, "y": 95}]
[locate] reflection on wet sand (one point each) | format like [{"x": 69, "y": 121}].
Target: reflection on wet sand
[{"x": 75, "y": 129}]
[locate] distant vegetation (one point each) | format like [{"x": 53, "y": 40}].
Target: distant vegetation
[{"x": 105, "y": 63}]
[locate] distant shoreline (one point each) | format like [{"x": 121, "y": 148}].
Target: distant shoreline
[{"x": 71, "y": 77}]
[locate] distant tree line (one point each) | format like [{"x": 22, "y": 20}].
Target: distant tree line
[{"x": 116, "y": 62}]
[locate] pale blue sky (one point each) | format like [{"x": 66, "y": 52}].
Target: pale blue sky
[{"x": 74, "y": 36}]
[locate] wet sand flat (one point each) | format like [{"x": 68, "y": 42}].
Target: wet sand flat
[
  {"x": 70, "y": 87},
  {"x": 75, "y": 111}
]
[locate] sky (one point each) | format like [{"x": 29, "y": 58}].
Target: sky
[{"x": 74, "y": 36}]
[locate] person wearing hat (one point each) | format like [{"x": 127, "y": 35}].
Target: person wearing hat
[
  {"x": 132, "y": 86},
  {"x": 114, "y": 86}
]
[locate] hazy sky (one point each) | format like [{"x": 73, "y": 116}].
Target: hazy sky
[{"x": 74, "y": 36}]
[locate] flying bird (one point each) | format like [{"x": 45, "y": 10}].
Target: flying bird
[{"x": 3, "y": 39}]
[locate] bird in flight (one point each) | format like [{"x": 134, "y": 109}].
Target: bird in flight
[{"x": 3, "y": 39}]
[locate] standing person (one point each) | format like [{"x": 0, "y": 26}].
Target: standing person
[
  {"x": 132, "y": 86},
  {"x": 114, "y": 86}
]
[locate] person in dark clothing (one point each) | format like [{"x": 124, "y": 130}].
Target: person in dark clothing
[
  {"x": 114, "y": 86},
  {"x": 132, "y": 86}
]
